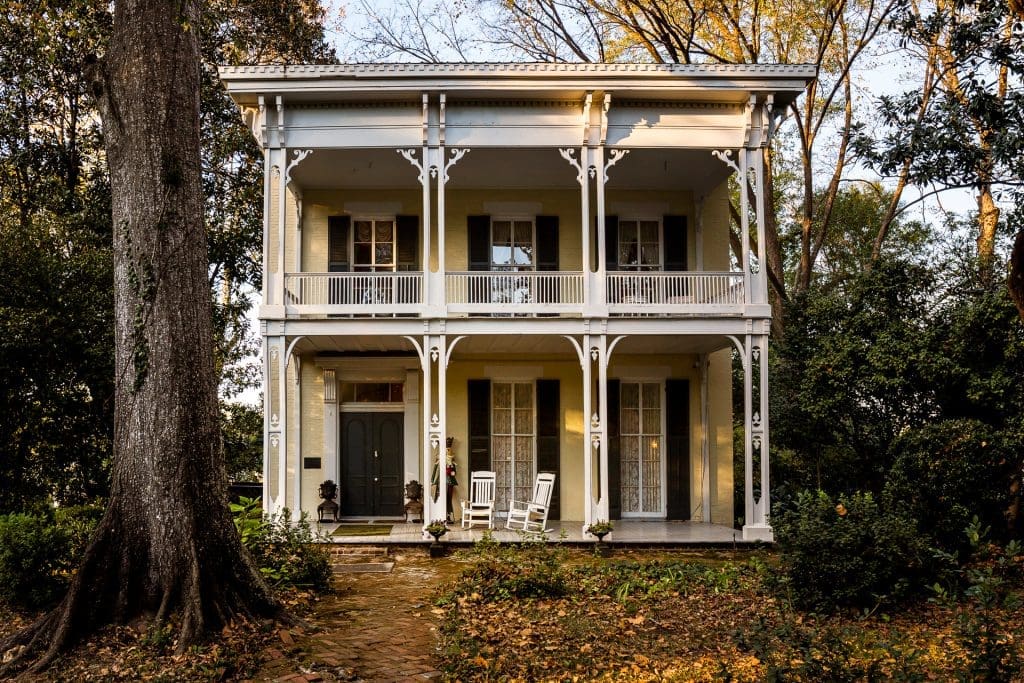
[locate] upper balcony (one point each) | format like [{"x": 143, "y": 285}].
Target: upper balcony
[{"x": 524, "y": 293}]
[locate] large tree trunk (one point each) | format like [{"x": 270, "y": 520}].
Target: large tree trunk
[{"x": 166, "y": 544}]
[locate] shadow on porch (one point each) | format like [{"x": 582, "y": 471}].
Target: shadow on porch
[{"x": 627, "y": 532}]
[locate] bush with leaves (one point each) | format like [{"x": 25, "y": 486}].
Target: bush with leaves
[
  {"x": 38, "y": 552},
  {"x": 33, "y": 552},
  {"x": 287, "y": 553},
  {"x": 848, "y": 552},
  {"x": 948, "y": 472},
  {"x": 505, "y": 571}
]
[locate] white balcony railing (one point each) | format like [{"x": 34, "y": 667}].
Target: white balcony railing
[
  {"x": 369, "y": 293},
  {"x": 637, "y": 293},
  {"x": 523, "y": 292}
]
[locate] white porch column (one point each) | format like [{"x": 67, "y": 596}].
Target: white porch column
[
  {"x": 601, "y": 344},
  {"x": 756, "y": 526},
  {"x": 439, "y": 354},
  {"x": 745, "y": 225},
  {"x": 267, "y": 431},
  {"x": 330, "y": 448},
  {"x": 588, "y": 449},
  {"x": 296, "y": 364},
  {"x": 428, "y": 456},
  {"x": 282, "y": 460},
  {"x": 755, "y": 441}
]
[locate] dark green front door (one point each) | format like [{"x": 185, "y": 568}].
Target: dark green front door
[{"x": 371, "y": 465}]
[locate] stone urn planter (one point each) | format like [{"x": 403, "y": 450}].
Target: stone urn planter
[
  {"x": 437, "y": 529},
  {"x": 601, "y": 529}
]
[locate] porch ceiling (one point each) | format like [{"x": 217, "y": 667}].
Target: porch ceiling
[{"x": 489, "y": 168}]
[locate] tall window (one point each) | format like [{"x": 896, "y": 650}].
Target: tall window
[
  {"x": 512, "y": 245},
  {"x": 373, "y": 245},
  {"x": 641, "y": 447},
  {"x": 513, "y": 441},
  {"x": 639, "y": 245}
]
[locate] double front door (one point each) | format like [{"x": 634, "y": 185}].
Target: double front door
[{"x": 371, "y": 465}]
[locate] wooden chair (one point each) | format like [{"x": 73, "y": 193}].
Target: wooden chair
[
  {"x": 532, "y": 515},
  {"x": 480, "y": 507}
]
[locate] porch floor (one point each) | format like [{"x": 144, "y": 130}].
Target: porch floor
[{"x": 638, "y": 532}]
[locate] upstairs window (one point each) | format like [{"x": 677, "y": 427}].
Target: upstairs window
[
  {"x": 512, "y": 245},
  {"x": 639, "y": 245},
  {"x": 373, "y": 245}
]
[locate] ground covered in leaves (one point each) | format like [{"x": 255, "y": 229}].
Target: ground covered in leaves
[
  {"x": 139, "y": 653},
  {"x": 537, "y": 613}
]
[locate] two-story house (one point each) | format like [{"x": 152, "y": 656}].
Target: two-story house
[{"x": 529, "y": 261}]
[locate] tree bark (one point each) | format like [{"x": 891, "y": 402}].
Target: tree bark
[
  {"x": 1016, "y": 278},
  {"x": 166, "y": 544}
]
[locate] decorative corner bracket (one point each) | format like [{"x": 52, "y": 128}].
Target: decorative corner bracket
[
  {"x": 725, "y": 156},
  {"x": 615, "y": 156},
  {"x": 456, "y": 155},
  {"x": 300, "y": 155},
  {"x": 569, "y": 154},
  {"x": 410, "y": 156}
]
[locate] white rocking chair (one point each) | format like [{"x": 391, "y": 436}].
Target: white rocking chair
[
  {"x": 480, "y": 508},
  {"x": 533, "y": 515}
]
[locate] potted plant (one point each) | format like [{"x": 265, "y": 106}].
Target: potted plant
[
  {"x": 601, "y": 528},
  {"x": 437, "y": 529}
]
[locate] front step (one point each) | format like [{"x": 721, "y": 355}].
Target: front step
[{"x": 360, "y": 559}]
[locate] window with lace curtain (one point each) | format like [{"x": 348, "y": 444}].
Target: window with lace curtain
[
  {"x": 513, "y": 441},
  {"x": 641, "y": 448}
]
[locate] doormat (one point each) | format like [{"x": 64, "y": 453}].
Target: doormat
[{"x": 363, "y": 530}]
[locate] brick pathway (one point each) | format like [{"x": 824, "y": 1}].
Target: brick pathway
[{"x": 374, "y": 627}]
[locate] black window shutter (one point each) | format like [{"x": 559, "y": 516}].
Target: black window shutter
[
  {"x": 549, "y": 422},
  {"x": 407, "y": 230},
  {"x": 478, "y": 231},
  {"x": 479, "y": 392},
  {"x": 337, "y": 244},
  {"x": 677, "y": 407},
  {"x": 611, "y": 242},
  {"x": 675, "y": 242},
  {"x": 547, "y": 242},
  {"x": 614, "y": 454}
]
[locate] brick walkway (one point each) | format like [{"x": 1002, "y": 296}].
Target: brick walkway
[{"x": 374, "y": 627}]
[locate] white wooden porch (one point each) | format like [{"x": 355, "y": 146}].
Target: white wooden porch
[
  {"x": 563, "y": 292},
  {"x": 627, "y": 532}
]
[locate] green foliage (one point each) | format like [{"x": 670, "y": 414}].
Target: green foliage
[
  {"x": 32, "y": 559},
  {"x": 847, "y": 552},
  {"x": 39, "y": 551},
  {"x": 948, "y": 472},
  {"x": 986, "y": 587},
  {"x": 506, "y": 571},
  {"x": 241, "y": 428},
  {"x": 287, "y": 553}
]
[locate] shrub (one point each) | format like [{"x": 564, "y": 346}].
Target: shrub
[
  {"x": 948, "y": 472},
  {"x": 286, "y": 552},
  {"x": 848, "y": 552},
  {"x": 33, "y": 559},
  {"x": 510, "y": 571},
  {"x": 78, "y": 522}
]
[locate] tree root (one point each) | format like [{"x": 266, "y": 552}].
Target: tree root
[{"x": 119, "y": 582}]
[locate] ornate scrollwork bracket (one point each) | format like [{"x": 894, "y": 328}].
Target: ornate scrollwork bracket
[
  {"x": 300, "y": 155},
  {"x": 410, "y": 156},
  {"x": 569, "y": 154},
  {"x": 456, "y": 155},
  {"x": 614, "y": 156},
  {"x": 725, "y": 156}
]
